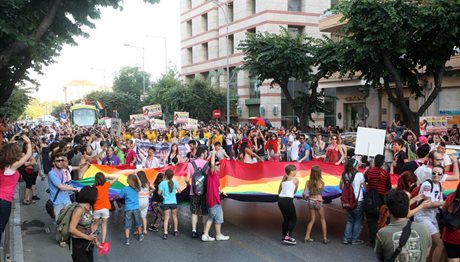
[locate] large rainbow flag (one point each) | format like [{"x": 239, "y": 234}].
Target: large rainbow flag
[{"x": 257, "y": 182}]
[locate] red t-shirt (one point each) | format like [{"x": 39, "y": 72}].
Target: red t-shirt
[
  {"x": 451, "y": 236},
  {"x": 212, "y": 190},
  {"x": 130, "y": 157},
  {"x": 378, "y": 178}
]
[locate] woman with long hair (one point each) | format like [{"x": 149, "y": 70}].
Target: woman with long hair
[
  {"x": 451, "y": 237},
  {"x": 174, "y": 156},
  {"x": 151, "y": 161},
  {"x": 156, "y": 203},
  {"x": 10, "y": 161},
  {"x": 102, "y": 204},
  {"x": 334, "y": 151},
  {"x": 313, "y": 193},
  {"x": 144, "y": 193},
  {"x": 168, "y": 189},
  {"x": 407, "y": 181},
  {"x": 131, "y": 195},
  {"x": 247, "y": 153}
]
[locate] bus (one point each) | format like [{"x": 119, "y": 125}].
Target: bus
[{"x": 83, "y": 115}]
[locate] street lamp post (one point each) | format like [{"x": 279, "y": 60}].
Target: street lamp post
[
  {"x": 143, "y": 68},
  {"x": 219, "y": 4},
  {"x": 166, "y": 49}
]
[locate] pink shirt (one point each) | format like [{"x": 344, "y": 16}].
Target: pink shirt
[
  {"x": 130, "y": 157},
  {"x": 212, "y": 190},
  {"x": 8, "y": 185},
  {"x": 190, "y": 170}
]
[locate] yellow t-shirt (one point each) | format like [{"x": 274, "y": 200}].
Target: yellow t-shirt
[
  {"x": 127, "y": 136},
  {"x": 151, "y": 135},
  {"x": 182, "y": 133},
  {"x": 219, "y": 138},
  {"x": 207, "y": 135},
  {"x": 168, "y": 136}
]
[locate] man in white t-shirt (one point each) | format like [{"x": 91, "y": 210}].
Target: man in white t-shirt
[{"x": 423, "y": 172}]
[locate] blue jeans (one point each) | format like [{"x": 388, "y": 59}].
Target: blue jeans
[
  {"x": 131, "y": 215},
  {"x": 230, "y": 151},
  {"x": 354, "y": 223}
]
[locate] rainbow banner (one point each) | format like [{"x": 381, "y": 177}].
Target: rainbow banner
[{"x": 257, "y": 182}]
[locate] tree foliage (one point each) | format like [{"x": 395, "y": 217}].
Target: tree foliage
[
  {"x": 401, "y": 43},
  {"x": 16, "y": 104},
  {"x": 284, "y": 57},
  {"x": 130, "y": 80},
  {"x": 60, "y": 108},
  {"x": 32, "y": 34},
  {"x": 124, "y": 103}
]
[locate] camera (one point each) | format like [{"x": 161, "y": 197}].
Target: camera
[{"x": 19, "y": 137}]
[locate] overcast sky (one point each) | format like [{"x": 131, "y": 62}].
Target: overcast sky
[{"x": 104, "y": 50}]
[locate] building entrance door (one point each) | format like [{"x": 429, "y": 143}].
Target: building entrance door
[{"x": 355, "y": 115}]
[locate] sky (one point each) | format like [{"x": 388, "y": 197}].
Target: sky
[{"x": 139, "y": 24}]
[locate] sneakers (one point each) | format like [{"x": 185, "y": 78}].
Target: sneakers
[
  {"x": 357, "y": 242},
  {"x": 221, "y": 237},
  {"x": 127, "y": 242},
  {"x": 346, "y": 241},
  {"x": 35, "y": 198},
  {"x": 207, "y": 238},
  {"x": 289, "y": 241},
  {"x": 165, "y": 236},
  {"x": 153, "y": 228},
  {"x": 194, "y": 234},
  {"x": 140, "y": 237}
]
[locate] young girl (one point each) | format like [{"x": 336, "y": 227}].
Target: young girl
[
  {"x": 156, "y": 201},
  {"x": 286, "y": 191},
  {"x": 131, "y": 195},
  {"x": 313, "y": 194},
  {"x": 102, "y": 205},
  {"x": 144, "y": 194},
  {"x": 168, "y": 189}
]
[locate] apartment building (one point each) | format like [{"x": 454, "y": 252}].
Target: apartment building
[
  {"x": 211, "y": 32},
  {"x": 353, "y": 108}
]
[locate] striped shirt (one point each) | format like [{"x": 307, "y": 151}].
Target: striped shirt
[{"x": 378, "y": 178}]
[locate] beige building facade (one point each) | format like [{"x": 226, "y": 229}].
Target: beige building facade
[{"x": 210, "y": 29}]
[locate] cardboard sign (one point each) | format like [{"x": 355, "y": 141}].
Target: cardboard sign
[
  {"x": 433, "y": 125},
  {"x": 192, "y": 124},
  {"x": 370, "y": 141},
  {"x": 181, "y": 118},
  {"x": 157, "y": 124},
  {"x": 115, "y": 127},
  {"x": 152, "y": 111},
  {"x": 138, "y": 120}
]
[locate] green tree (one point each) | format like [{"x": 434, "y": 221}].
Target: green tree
[
  {"x": 57, "y": 110},
  {"x": 281, "y": 58},
  {"x": 33, "y": 33},
  {"x": 402, "y": 43},
  {"x": 130, "y": 80},
  {"x": 16, "y": 104},
  {"x": 122, "y": 102}
]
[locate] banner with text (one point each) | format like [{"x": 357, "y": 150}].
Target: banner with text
[
  {"x": 181, "y": 118},
  {"x": 152, "y": 111},
  {"x": 433, "y": 125},
  {"x": 138, "y": 120},
  {"x": 192, "y": 124},
  {"x": 157, "y": 124}
]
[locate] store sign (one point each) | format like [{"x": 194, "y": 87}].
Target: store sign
[{"x": 355, "y": 98}]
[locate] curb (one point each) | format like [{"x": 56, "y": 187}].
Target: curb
[{"x": 16, "y": 249}]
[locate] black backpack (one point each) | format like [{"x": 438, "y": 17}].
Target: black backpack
[
  {"x": 199, "y": 179},
  {"x": 372, "y": 201}
]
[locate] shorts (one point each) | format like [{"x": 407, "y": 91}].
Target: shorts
[
  {"x": 101, "y": 213},
  {"x": 315, "y": 204},
  {"x": 215, "y": 214},
  {"x": 129, "y": 215},
  {"x": 198, "y": 205},
  {"x": 430, "y": 224},
  {"x": 453, "y": 250},
  {"x": 144, "y": 207},
  {"x": 168, "y": 207}
]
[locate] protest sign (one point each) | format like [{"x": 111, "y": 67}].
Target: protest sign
[
  {"x": 152, "y": 111},
  {"x": 369, "y": 141},
  {"x": 433, "y": 125},
  {"x": 138, "y": 120},
  {"x": 115, "y": 127},
  {"x": 181, "y": 118},
  {"x": 192, "y": 124},
  {"x": 157, "y": 124}
]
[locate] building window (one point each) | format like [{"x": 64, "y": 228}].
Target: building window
[
  {"x": 254, "y": 89},
  {"x": 204, "y": 49},
  {"x": 189, "y": 56},
  {"x": 295, "y": 5},
  {"x": 204, "y": 23},
  {"x": 251, "y": 6},
  {"x": 233, "y": 82},
  {"x": 230, "y": 14},
  {"x": 189, "y": 77},
  {"x": 330, "y": 116},
  {"x": 231, "y": 44},
  {"x": 296, "y": 30},
  {"x": 189, "y": 28}
]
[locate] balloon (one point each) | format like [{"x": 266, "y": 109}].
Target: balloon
[{"x": 104, "y": 248}]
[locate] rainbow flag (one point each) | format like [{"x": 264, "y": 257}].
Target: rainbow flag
[
  {"x": 257, "y": 182},
  {"x": 99, "y": 105}
]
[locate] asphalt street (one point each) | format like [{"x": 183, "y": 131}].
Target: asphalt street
[{"x": 254, "y": 230}]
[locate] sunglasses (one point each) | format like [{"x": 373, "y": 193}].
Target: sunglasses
[
  {"x": 59, "y": 160},
  {"x": 439, "y": 159},
  {"x": 436, "y": 174}
]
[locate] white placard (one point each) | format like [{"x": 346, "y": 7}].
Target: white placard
[
  {"x": 370, "y": 141},
  {"x": 115, "y": 127}
]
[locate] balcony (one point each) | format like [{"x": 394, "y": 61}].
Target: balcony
[{"x": 330, "y": 22}]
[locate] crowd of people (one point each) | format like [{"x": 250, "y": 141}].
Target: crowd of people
[{"x": 64, "y": 153}]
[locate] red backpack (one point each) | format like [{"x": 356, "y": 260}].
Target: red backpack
[{"x": 348, "y": 197}]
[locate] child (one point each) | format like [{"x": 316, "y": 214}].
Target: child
[
  {"x": 156, "y": 201},
  {"x": 313, "y": 194},
  {"x": 144, "y": 194},
  {"x": 168, "y": 190},
  {"x": 131, "y": 195},
  {"x": 102, "y": 205},
  {"x": 286, "y": 191}
]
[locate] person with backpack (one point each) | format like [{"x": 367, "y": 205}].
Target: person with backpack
[
  {"x": 313, "y": 193},
  {"x": 197, "y": 171},
  {"x": 402, "y": 239},
  {"x": 352, "y": 184},
  {"x": 378, "y": 182},
  {"x": 451, "y": 230},
  {"x": 215, "y": 213},
  {"x": 82, "y": 238},
  {"x": 431, "y": 189},
  {"x": 168, "y": 189},
  {"x": 286, "y": 191}
]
